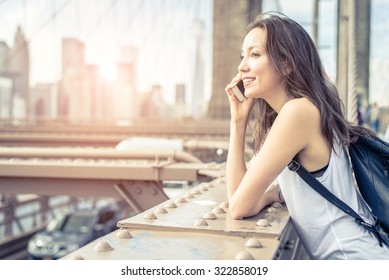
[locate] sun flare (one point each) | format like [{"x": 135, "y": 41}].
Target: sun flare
[{"x": 108, "y": 71}]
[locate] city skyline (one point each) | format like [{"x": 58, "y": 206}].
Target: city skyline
[
  {"x": 105, "y": 27},
  {"x": 161, "y": 29}
]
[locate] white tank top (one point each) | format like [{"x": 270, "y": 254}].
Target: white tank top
[{"x": 326, "y": 231}]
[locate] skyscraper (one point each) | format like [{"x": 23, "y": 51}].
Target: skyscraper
[
  {"x": 70, "y": 103},
  {"x": 15, "y": 65},
  {"x": 230, "y": 20},
  {"x": 125, "y": 98},
  {"x": 198, "y": 88},
  {"x": 4, "y": 54}
]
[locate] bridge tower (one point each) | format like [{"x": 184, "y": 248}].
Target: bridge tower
[{"x": 230, "y": 21}]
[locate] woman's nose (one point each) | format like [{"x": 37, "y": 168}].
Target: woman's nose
[{"x": 242, "y": 67}]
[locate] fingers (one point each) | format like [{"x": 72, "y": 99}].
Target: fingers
[
  {"x": 230, "y": 93},
  {"x": 236, "y": 79},
  {"x": 232, "y": 84},
  {"x": 274, "y": 192}
]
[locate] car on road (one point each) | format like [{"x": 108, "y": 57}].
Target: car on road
[{"x": 70, "y": 231}]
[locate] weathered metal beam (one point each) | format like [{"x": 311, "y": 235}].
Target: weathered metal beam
[
  {"x": 115, "y": 171},
  {"x": 94, "y": 153},
  {"x": 198, "y": 225},
  {"x": 138, "y": 182}
]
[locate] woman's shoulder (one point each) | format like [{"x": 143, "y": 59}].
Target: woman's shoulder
[
  {"x": 302, "y": 109},
  {"x": 300, "y": 103},
  {"x": 303, "y": 117}
]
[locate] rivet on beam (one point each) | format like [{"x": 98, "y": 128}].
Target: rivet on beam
[
  {"x": 244, "y": 255},
  {"x": 102, "y": 246},
  {"x": 124, "y": 233}
]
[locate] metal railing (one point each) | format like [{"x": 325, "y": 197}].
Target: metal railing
[{"x": 20, "y": 214}]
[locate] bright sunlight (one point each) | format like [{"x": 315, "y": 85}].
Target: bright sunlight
[{"x": 108, "y": 71}]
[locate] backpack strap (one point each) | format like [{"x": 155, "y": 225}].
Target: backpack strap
[{"x": 329, "y": 196}]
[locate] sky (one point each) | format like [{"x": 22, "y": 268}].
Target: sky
[{"x": 161, "y": 29}]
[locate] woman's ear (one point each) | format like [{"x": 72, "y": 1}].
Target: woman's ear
[{"x": 286, "y": 69}]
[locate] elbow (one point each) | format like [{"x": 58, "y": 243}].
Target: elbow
[
  {"x": 236, "y": 212},
  {"x": 239, "y": 211},
  {"x": 236, "y": 216}
]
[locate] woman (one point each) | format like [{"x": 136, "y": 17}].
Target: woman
[{"x": 299, "y": 116}]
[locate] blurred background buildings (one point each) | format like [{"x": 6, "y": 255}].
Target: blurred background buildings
[
  {"x": 135, "y": 63},
  {"x": 84, "y": 82}
]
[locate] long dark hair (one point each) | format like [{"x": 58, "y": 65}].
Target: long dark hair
[{"x": 290, "y": 47}]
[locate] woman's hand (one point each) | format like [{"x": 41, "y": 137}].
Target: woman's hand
[
  {"x": 274, "y": 194},
  {"x": 239, "y": 110}
]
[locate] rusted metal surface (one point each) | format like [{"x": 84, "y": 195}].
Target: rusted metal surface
[{"x": 197, "y": 225}]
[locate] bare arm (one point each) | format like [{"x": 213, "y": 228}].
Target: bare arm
[
  {"x": 236, "y": 165},
  {"x": 290, "y": 134}
]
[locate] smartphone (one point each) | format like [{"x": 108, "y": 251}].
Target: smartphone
[{"x": 238, "y": 90}]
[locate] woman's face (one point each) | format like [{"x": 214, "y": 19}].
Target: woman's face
[{"x": 259, "y": 76}]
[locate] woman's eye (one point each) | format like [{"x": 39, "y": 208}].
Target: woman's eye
[
  {"x": 241, "y": 57},
  {"x": 254, "y": 54}
]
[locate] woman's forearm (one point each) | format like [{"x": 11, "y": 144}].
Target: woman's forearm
[{"x": 236, "y": 165}]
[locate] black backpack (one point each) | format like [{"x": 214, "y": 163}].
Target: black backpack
[
  {"x": 369, "y": 156},
  {"x": 370, "y": 160}
]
